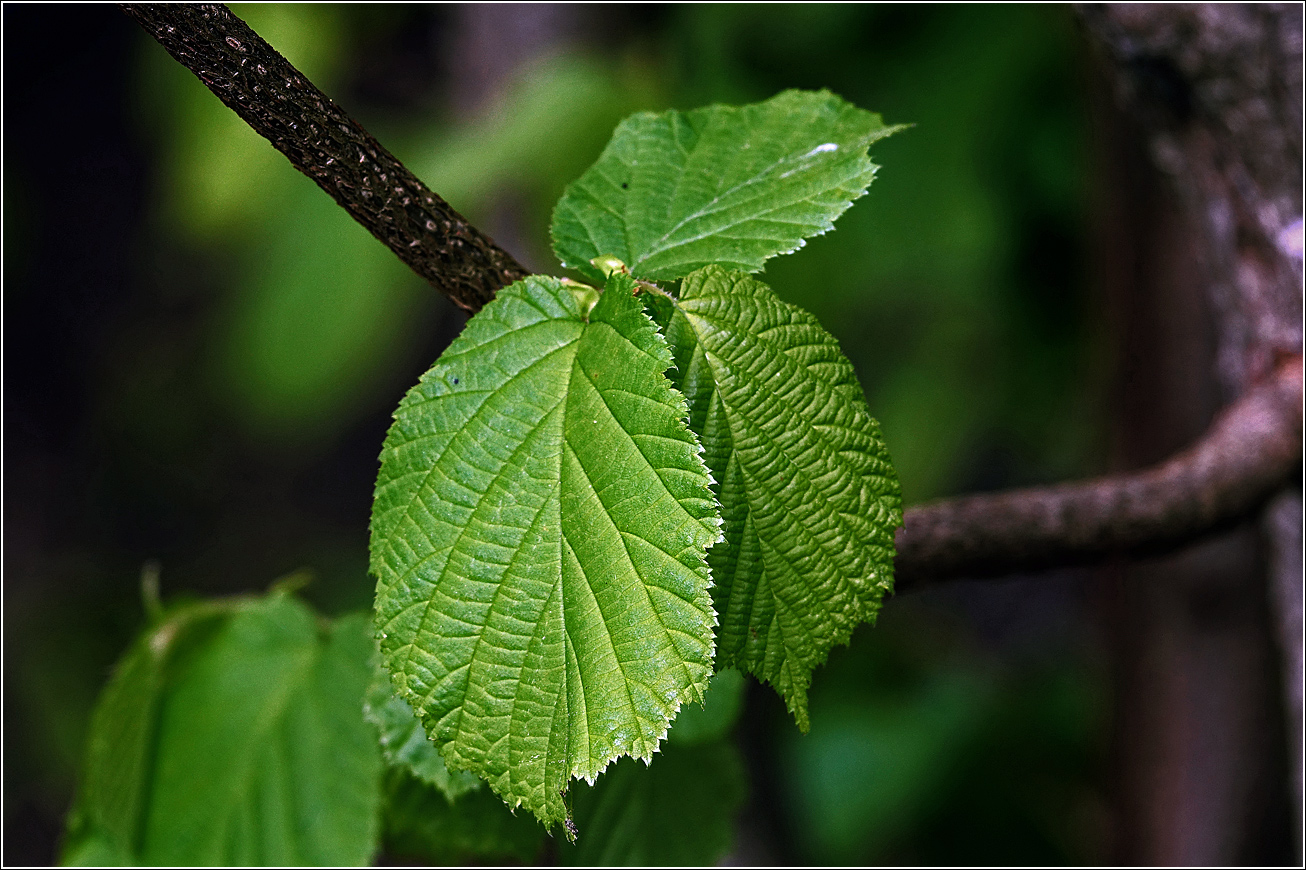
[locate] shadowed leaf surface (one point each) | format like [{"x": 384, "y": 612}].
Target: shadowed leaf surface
[
  {"x": 422, "y": 823},
  {"x": 677, "y": 811},
  {"x": 808, "y": 495}
]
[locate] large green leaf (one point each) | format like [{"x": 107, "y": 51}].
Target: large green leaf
[
  {"x": 808, "y": 496},
  {"x": 233, "y": 734},
  {"x": 678, "y": 811},
  {"x": 676, "y": 191},
  {"x": 538, "y": 536}
]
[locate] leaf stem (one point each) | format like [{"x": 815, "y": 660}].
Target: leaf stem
[{"x": 653, "y": 288}]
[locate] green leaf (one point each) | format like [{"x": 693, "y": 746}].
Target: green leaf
[
  {"x": 233, "y": 734},
  {"x": 421, "y": 823},
  {"x": 676, "y": 191},
  {"x": 678, "y": 811},
  {"x": 91, "y": 846},
  {"x": 809, "y": 498},
  {"x": 404, "y": 742},
  {"x": 538, "y": 536},
  {"x": 111, "y": 805}
]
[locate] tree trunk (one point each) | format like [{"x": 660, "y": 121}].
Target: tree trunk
[{"x": 1202, "y": 260}]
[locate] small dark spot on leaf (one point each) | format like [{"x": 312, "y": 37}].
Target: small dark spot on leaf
[
  {"x": 455, "y": 380},
  {"x": 624, "y": 186}
]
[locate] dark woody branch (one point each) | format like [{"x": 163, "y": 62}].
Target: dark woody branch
[
  {"x": 331, "y": 148},
  {"x": 1247, "y": 454}
]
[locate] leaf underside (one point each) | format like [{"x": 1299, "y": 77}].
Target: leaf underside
[
  {"x": 539, "y": 533},
  {"x": 809, "y": 498},
  {"x": 676, "y": 191}
]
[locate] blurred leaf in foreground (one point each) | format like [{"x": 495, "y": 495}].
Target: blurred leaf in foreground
[{"x": 232, "y": 733}]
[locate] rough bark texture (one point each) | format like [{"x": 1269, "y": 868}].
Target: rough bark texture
[
  {"x": 1218, "y": 90},
  {"x": 1237, "y": 465},
  {"x": 1213, "y": 93},
  {"x": 328, "y": 146}
]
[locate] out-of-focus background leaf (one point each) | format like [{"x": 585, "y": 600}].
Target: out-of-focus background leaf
[
  {"x": 677, "y": 812},
  {"x": 232, "y": 734},
  {"x": 202, "y": 352}
]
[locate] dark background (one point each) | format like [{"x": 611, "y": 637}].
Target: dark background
[{"x": 202, "y": 353}]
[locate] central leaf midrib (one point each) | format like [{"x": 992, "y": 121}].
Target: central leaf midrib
[
  {"x": 540, "y": 627},
  {"x": 776, "y": 597},
  {"x": 747, "y": 477},
  {"x": 494, "y": 599},
  {"x": 634, "y": 444},
  {"x": 621, "y": 665}
]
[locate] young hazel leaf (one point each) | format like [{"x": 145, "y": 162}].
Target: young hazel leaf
[
  {"x": 539, "y": 534},
  {"x": 809, "y": 499},
  {"x": 735, "y": 186}
]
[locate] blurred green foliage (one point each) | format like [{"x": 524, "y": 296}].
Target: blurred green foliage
[
  {"x": 956, "y": 287},
  {"x": 232, "y": 733},
  {"x": 926, "y": 749},
  {"x": 316, "y": 308},
  {"x": 676, "y": 812}
]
